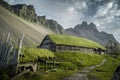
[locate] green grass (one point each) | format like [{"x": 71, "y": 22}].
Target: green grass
[
  {"x": 76, "y": 41},
  {"x": 32, "y": 54},
  {"x": 29, "y": 76},
  {"x": 70, "y": 61},
  {"x": 58, "y": 75},
  {"x": 106, "y": 71},
  {"x": 79, "y": 59}
]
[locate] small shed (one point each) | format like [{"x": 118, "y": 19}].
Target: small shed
[{"x": 30, "y": 57}]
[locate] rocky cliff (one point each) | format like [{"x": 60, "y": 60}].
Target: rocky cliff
[
  {"x": 28, "y": 13},
  {"x": 90, "y": 31},
  {"x": 25, "y": 11},
  {"x": 5, "y": 4}
]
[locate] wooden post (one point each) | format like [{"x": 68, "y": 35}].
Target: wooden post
[
  {"x": 53, "y": 63},
  {"x": 1, "y": 46},
  {"x": 8, "y": 37},
  {"x": 5, "y": 49},
  {"x": 19, "y": 51},
  {"x": 45, "y": 64},
  {"x": 8, "y": 52}
]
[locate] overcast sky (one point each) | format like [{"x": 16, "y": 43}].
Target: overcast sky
[{"x": 104, "y": 13}]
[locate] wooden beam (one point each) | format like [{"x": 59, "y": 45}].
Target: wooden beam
[
  {"x": 45, "y": 64},
  {"x": 54, "y": 63},
  {"x": 19, "y": 50}
]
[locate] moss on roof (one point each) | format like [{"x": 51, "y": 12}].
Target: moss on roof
[
  {"x": 74, "y": 41},
  {"x": 32, "y": 54}
]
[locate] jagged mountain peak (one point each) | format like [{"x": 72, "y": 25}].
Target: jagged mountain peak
[
  {"x": 92, "y": 24},
  {"x": 84, "y": 24},
  {"x": 91, "y": 32},
  {"x": 19, "y": 6}
]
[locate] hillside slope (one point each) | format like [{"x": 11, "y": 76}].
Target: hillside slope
[
  {"x": 11, "y": 23},
  {"x": 28, "y": 13}
]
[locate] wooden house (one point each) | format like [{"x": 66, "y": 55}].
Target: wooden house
[
  {"x": 31, "y": 57},
  {"x": 60, "y": 43}
]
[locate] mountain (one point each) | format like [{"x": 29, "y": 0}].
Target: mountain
[
  {"x": 28, "y": 13},
  {"x": 90, "y": 31},
  {"x": 57, "y": 28},
  {"x": 25, "y": 11},
  {"x": 5, "y": 4},
  {"x": 9, "y": 22}
]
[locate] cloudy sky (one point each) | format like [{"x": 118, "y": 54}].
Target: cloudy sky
[{"x": 104, "y": 13}]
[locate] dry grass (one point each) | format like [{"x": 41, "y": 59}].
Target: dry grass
[{"x": 9, "y": 22}]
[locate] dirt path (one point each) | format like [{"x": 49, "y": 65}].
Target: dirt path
[{"x": 82, "y": 75}]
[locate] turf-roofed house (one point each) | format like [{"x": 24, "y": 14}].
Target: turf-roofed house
[
  {"x": 61, "y": 43},
  {"x": 30, "y": 58}
]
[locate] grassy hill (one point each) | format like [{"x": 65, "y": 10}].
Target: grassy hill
[
  {"x": 75, "y": 41},
  {"x": 69, "y": 60},
  {"x": 106, "y": 71},
  {"x": 79, "y": 59},
  {"x": 9, "y": 22}
]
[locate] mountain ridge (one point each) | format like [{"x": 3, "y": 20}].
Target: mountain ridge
[
  {"x": 91, "y": 32},
  {"x": 85, "y": 30},
  {"x": 28, "y": 13}
]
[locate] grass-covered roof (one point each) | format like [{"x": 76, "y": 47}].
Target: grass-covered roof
[
  {"x": 32, "y": 54},
  {"x": 74, "y": 41}
]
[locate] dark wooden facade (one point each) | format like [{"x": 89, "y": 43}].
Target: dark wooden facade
[{"x": 47, "y": 43}]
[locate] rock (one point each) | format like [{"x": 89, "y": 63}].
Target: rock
[
  {"x": 116, "y": 75},
  {"x": 25, "y": 11},
  {"x": 53, "y": 25},
  {"x": 41, "y": 20},
  {"x": 5, "y": 4}
]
